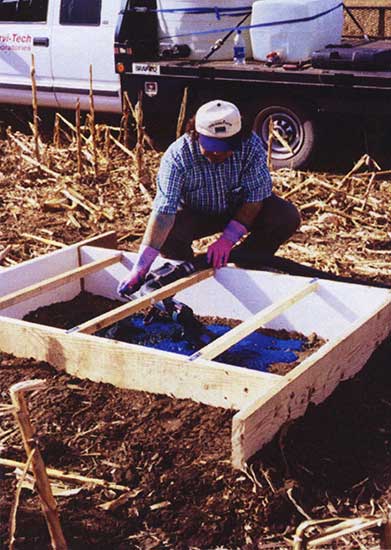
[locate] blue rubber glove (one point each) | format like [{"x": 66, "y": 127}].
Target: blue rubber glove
[
  {"x": 132, "y": 284},
  {"x": 219, "y": 251}
]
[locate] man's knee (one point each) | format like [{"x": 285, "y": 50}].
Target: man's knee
[
  {"x": 293, "y": 218},
  {"x": 280, "y": 212}
]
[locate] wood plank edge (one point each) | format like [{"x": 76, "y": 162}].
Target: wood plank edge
[
  {"x": 134, "y": 367},
  {"x": 241, "y": 451},
  {"x": 129, "y": 308},
  {"x": 57, "y": 280}
]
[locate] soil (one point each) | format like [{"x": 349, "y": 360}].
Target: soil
[
  {"x": 174, "y": 455},
  {"x": 86, "y": 306}
]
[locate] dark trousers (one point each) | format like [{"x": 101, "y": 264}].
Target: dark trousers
[{"x": 275, "y": 223}]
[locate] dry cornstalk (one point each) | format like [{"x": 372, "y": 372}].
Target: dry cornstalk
[
  {"x": 48, "y": 504},
  {"x": 345, "y": 527},
  {"x": 122, "y": 147},
  {"x": 56, "y": 131},
  {"x": 15, "y": 504},
  {"x": 92, "y": 126},
  {"x": 119, "y": 501},
  {"x": 43, "y": 240},
  {"x": 129, "y": 105},
  {"x": 41, "y": 166},
  {"x": 4, "y": 253},
  {"x": 24, "y": 146},
  {"x": 78, "y": 138},
  {"x": 140, "y": 134},
  {"x": 107, "y": 147},
  {"x": 182, "y": 113},
  {"x": 75, "y": 198},
  {"x": 364, "y": 160},
  {"x": 35, "y": 109},
  {"x": 125, "y": 121},
  {"x": 371, "y": 183},
  {"x": 146, "y": 137},
  {"x": 71, "y": 127},
  {"x": 270, "y": 144},
  {"x": 298, "y": 187},
  {"x": 278, "y": 137},
  {"x": 70, "y": 476}
]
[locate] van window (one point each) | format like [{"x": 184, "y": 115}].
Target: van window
[
  {"x": 25, "y": 11},
  {"x": 80, "y": 12}
]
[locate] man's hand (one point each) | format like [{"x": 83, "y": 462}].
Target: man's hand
[
  {"x": 147, "y": 255},
  {"x": 131, "y": 285},
  {"x": 219, "y": 251}
]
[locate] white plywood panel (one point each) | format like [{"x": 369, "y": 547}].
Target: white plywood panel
[
  {"x": 240, "y": 294},
  {"x": 329, "y": 311},
  {"x": 33, "y": 271}
]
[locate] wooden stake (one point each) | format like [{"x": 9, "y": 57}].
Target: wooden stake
[
  {"x": 78, "y": 139},
  {"x": 92, "y": 126},
  {"x": 35, "y": 109},
  {"x": 44, "y": 490},
  {"x": 182, "y": 113},
  {"x": 15, "y": 504}
]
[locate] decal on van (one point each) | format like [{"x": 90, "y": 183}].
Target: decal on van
[
  {"x": 146, "y": 68},
  {"x": 15, "y": 42}
]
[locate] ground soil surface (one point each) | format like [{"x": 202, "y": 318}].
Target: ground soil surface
[{"x": 174, "y": 455}]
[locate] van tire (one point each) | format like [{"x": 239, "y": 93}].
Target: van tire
[{"x": 296, "y": 125}]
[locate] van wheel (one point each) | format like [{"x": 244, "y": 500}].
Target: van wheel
[{"x": 297, "y": 130}]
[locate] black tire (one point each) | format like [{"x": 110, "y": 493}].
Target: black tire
[{"x": 295, "y": 125}]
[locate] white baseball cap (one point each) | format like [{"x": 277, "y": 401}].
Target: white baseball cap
[{"x": 218, "y": 124}]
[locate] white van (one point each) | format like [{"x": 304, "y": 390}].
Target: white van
[{"x": 66, "y": 37}]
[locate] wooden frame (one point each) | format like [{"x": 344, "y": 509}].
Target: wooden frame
[{"x": 353, "y": 320}]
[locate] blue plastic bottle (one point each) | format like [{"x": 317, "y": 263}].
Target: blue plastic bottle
[{"x": 239, "y": 49}]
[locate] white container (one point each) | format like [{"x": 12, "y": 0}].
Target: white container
[
  {"x": 294, "y": 42},
  {"x": 187, "y": 24}
]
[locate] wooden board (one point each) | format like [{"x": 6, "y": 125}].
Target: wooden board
[
  {"x": 244, "y": 329},
  {"x": 107, "y": 319},
  {"x": 134, "y": 367},
  {"x": 56, "y": 281},
  {"x": 310, "y": 382}
]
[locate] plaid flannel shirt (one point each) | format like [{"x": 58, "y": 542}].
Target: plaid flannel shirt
[{"x": 186, "y": 177}]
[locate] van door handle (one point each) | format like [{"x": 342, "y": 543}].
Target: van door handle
[{"x": 41, "y": 41}]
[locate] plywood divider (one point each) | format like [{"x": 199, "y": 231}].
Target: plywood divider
[
  {"x": 134, "y": 367},
  {"x": 310, "y": 382},
  {"x": 247, "y": 327},
  {"x": 111, "y": 317},
  {"x": 56, "y": 281},
  {"x": 105, "y": 240}
]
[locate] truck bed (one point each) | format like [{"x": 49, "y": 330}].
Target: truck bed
[{"x": 256, "y": 71}]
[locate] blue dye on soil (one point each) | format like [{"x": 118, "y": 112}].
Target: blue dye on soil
[{"x": 257, "y": 351}]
